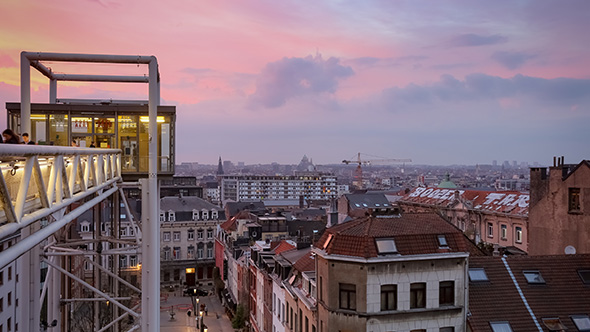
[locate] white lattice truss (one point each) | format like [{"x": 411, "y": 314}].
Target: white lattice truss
[{"x": 44, "y": 184}]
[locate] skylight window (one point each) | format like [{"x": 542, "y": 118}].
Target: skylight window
[
  {"x": 386, "y": 246},
  {"x": 533, "y": 277},
  {"x": 442, "y": 241},
  {"x": 554, "y": 324},
  {"x": 582, "y": 322},
  {"x": 478, "y": 274},
  {"x": 585, "y": 275},
  {"x": 501, "y": 327}
]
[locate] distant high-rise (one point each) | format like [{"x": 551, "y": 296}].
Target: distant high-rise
[
  {"x": 219, "y": 167},
  {"x": 495, "y": 163}
]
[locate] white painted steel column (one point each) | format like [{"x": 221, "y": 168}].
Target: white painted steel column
[
  {"x": 152, "y": 315},
  {"x": 25, "y": 94},
  {"x": 52, "y": 91}
]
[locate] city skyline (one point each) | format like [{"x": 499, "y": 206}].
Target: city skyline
[{"x": 260, "y": 82}]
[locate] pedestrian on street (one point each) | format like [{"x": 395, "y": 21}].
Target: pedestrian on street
[{"x": 206, "y": 312}]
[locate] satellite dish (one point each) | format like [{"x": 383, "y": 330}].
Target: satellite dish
[{"x": 570, "y": 250}]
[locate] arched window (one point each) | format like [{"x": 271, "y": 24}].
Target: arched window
[
  {"x": 214, "y": 215},
  {"x": 205, "y": 214},
  {"x": 195, "y": 215},
  {"x": 171, "y": 215}
]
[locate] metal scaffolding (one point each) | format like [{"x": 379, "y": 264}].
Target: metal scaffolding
[{"x": 44, "y": 188}]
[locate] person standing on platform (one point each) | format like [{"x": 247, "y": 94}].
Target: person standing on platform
[
  {"x": 10, "y": 137},
  {"x": 26, "y": 139}
]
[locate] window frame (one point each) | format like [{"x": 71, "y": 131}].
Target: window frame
[
  {"x": 502, "y": 325},
  {"x": 386, "y": 292},
  {"x": 418, "y": 295},
  {"x": 574, "y": 200},
  {"x": 503, "y": 231},
  {"x": 530, "y": 281},
  {"x": 490, "y": 230},
  {"x": 581, "y": 329},
  {"x": 347, "y": 292},
  {"x": 446, "y": 293},
  {"x": 477, "y": 269},
  {"x": 518, "y": 234}
]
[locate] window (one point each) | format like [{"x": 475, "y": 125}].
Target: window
[
  {"x": 166, "y": 254},
  {"x": 200, "y": 253},
  {"x": 191, "y": 235},
  {"x": 176, "y": 253},
  {"x": 214, "y": 215},
  {"x": 85, "y": 228},
  {"x": 385, "y": 246},
  {"x": 9, "y": 273},
  {"x": 533, "y": 277},
  {"x": 205, "y": 214},
  {"x": 131, "y": 231},
  {"x": 190, "y": 252},
  {"x": 582, "y": 322},
  {"x": 166, "y": 236},
  {"x": 584, "y": 274},
  {"x": 477, "y": 274},
  {"x": 162, "y": 216},
  {"x": 554, "y": 324},
  {"x": 176, "y": 236},
  {"x": 447, "y": 329},
  {"x": 446, "y": 293},
  {"x": 490, "y": 229},
  {"x": 123, "y": 261},
  {"x": 347, "y": 296},
  {"x": 501, "y": 327},
  {"x": 1, "y": 278},
  {"x": 9, "y": 299},
  {"x": 195, "y": 215},
  {"x": 388, "y": 297},
  {"x": 418, "y": 295},
  {"x": 209, "y": 233},
  {"x": 171, "y": 216},
  {"x": 133, "y": 261},
  {"x": 442, "y": 241},
  {"x": 419, "y": 330},
  {"x": 200, "y": 234},
  {"x": 123, "y": 231},
  {"x": 504, "y": 231},
  {"x": 518, "y": 231},
  {"x": 209, "y": 252},
  {"x": 574, "y": 199}
]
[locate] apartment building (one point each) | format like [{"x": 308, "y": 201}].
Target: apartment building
[
  {"x": 387, "y": 273},
  {"x": 559, "y": 218},
  {"x": 187, "y": 236},
  {"x": 497, "y": 218},
  {"x": 302, "y": 186}
]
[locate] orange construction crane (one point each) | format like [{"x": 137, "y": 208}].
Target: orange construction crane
[{"x": 358, "y": 173}]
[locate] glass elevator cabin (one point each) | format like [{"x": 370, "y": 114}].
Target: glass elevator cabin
[{"x": 104, "y": 125}]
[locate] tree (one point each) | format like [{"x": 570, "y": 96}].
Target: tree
[{"x": 239, "y": 319}]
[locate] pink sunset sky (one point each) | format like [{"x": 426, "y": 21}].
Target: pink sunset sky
[{"x": 441, "y": 82}]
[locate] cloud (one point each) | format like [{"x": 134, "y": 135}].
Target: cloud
[
  {"x": 512, "y": 60},
  {"x": 481, "y": 87},
  {"x": 471, "y": 39},
  {"x": 293, "y": 77}
]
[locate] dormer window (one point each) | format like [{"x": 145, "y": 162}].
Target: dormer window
[
  {"x": 214, "y": 215},
  {"x": 195, "y": 215},
  {"x": 533, "y": 277},
  {"x": 85, "y": 227},
  {"x": 386, "y": 246},
  {"x": 585, "y": 276},
  {"x": 171, "y": 215},
  {"x": 205, "y": 215},
  {"x": 477, "y": 274},
  {"x": 162, "y": 216},
  {"x": 442, "y": 241}
]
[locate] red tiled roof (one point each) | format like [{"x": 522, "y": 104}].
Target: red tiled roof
[
  {"x": 563, "y": 294},
  {"x": 231, "y": 224},
  {"x": 305, "y": 263},
  {"x": 512, "y": 202},
  {"x": 283, "y": 246},
  {"x": 413, "y": 233}
]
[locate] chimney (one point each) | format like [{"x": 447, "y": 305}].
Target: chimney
[
  {"x": 496, "y": 251},
  {"x": 554, "y": 161}
]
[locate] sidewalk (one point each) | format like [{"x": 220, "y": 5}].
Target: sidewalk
[{"x": 183, "y": 323}]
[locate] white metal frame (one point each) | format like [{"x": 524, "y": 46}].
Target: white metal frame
[{"x": 76, "y": 175}]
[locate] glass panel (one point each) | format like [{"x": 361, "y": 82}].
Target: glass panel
[
  {"x": 386, "y": 246},
  {"x": 128, "y": 142},
  {"x": 58, "y": 130},
  {"x": 81, "y": 125},
  {"x": 477, "y": 274},
  {"x": 533, "y": 277},
  {"x": 104, "y": 125},
  {"x": 104, "y": 141},
  {"x": 501, "y": 327},
  {"x": 38, "y": 132}
]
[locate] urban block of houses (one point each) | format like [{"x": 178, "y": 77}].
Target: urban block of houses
[{"x": 492, "y": 217}]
